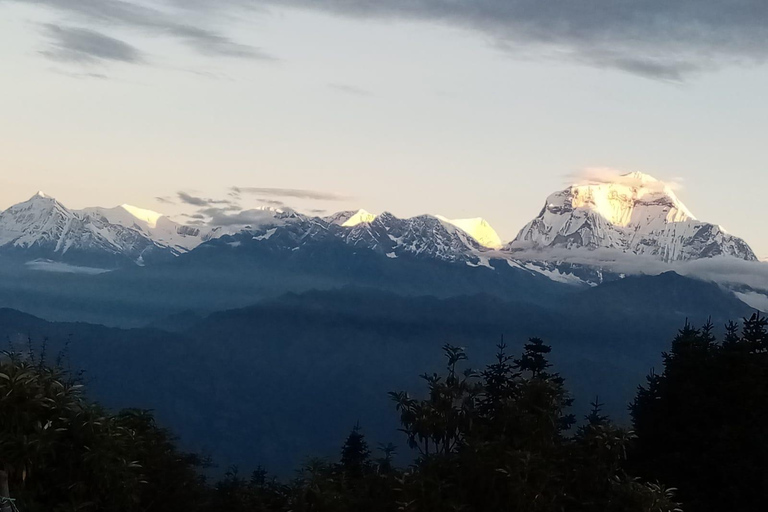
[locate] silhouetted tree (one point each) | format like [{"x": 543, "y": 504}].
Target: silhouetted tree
[
  {"x": 355, "y": 455},
  {"x": 701, "y": 422},
  {"x": 499, "y": 444}
]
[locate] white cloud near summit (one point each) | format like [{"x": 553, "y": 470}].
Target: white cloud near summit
[{"x": 600, "y": 175}]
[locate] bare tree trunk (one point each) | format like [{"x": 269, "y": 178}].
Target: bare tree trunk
[{"x": 4, "y": 492}]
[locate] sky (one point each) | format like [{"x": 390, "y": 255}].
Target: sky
[{"x": 452, "y": 107}]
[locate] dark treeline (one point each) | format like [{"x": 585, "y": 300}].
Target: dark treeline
[{"x": 500, "y": 438}]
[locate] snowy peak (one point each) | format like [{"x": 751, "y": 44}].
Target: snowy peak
[
  {"x": 149, "y": 217},
  {"x": 39, "y": 201},
  {"x": 633, "y": 213},
  {"x": 351, "y": 218},
  {"x": 479, "y": 229},
  {"x": 155, "y": 227},
  {"x": 41, "y": 227},
  {"x": 628, "y": 200},
  {"x": 422, "y": 236},
  {"x": 20, "y": 224},
  {"x": 360, "y": 217}
]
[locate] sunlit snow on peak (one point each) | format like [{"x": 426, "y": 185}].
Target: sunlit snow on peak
[
  {"x": 142, "y": 214},
  {"x": 631, "y": 212},
  {"x": 479, "y": 229},
  {"x": 626, "y": 200},
  {"x": 360, "y": 217}
]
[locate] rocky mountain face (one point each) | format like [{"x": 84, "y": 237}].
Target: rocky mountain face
[{"x": 635, "y": 214}]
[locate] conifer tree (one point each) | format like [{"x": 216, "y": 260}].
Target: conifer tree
[
  {"x": 355, "y": 455},
  {"x": 754, "y": 333},
  {"x": 534, "y": 358},
  {"x": 700, "y": 423}
]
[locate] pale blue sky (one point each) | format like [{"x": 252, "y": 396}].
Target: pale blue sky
[{"x": 411, "y": 113}]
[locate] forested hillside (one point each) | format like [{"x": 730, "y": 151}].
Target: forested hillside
[{"x": 499, "y": 436}]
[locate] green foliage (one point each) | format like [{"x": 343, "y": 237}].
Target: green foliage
[
  {"x": 701, "y": 423},
  {"x": 63, "y": 453}
]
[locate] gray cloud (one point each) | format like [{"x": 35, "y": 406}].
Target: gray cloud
[
  {"x": 209, "y": 43},
  {"x": 201, "y": 201},
  {"x": 165, "y": 200},
  {"x": 290, "y": 192},
  {"x": 659, "y": 39},
  {"x": 350, "y": 89},
  {"x": 70, "y": 44},
  {"x": 213, "y": 211},
  {"x": 241, "y": 218},
  {"x": 156, "y": 21}
]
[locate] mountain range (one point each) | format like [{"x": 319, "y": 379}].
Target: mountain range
[
  {"x": 634, "y": 215},
  {"x": 130, "y": 266}
]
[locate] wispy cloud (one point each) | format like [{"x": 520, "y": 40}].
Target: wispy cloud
[
  {"x": 165, "y": 200},
  {"x": 79, "y": 75},
  {"x": 158, "y": 18},
  {"x": 189, "y": 199},
  {"x": 196, "y": 216},
  {"x": 290, "y": 192},
  {"x": 69, "y": 44}
]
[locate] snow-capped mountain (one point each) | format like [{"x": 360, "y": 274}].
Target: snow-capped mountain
[
  {"x": 424, "y": 236},
  {"x": 477, "y": 228},
  {"x": 350, "y": 218},
  {"x": 152, "y": 225},
  {"x": 42, "y": 227},
  {"x": 634, "y": 214}
]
